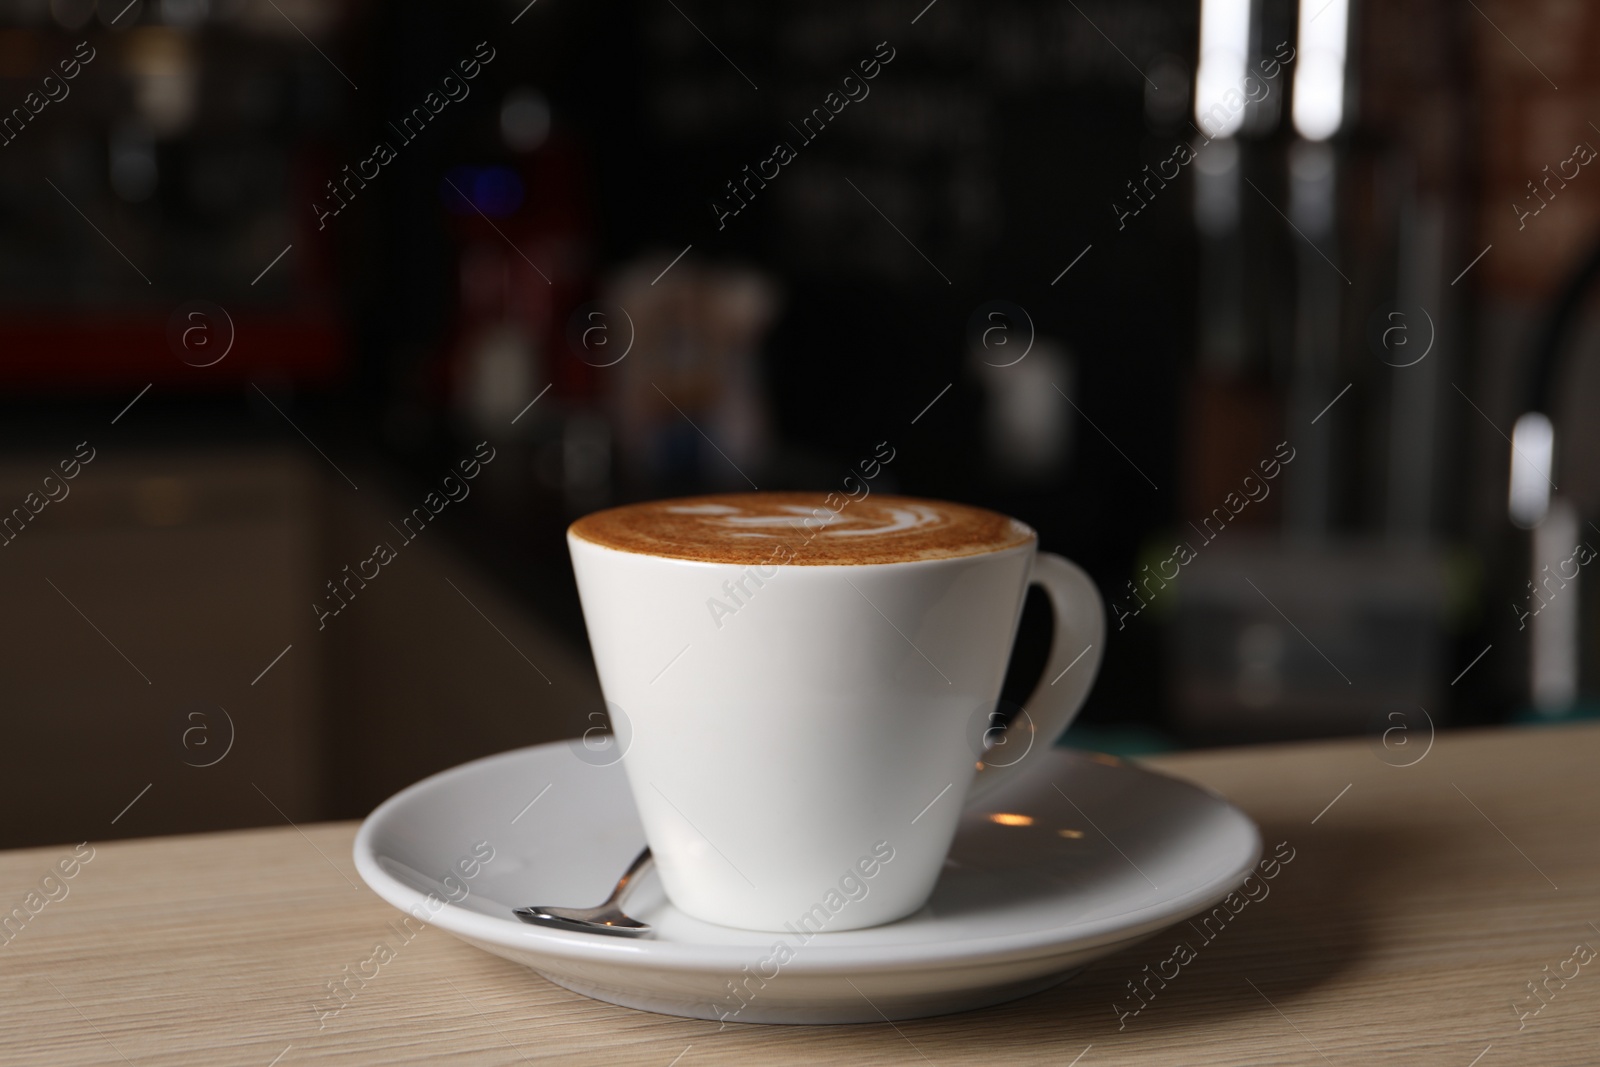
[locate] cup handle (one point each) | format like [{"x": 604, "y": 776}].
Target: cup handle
[{"x": 1080, "y": 633}]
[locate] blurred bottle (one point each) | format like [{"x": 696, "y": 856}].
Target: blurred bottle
[
  {"x": 688, "y": 403},
  {"x": 522, "y": 226}
]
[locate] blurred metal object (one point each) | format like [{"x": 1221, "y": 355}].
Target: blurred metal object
[
  {"x": 1554, "y": 641},
  {"x": 1278, "y": 641},
  {"x": 1419, "y": 359},
  {"x": 1224, "y": 62},
  {"x": 1319, "y": 306},
  {"x": 1218, "y": 185},
  {"x": 1319, "y": 84},
  {"x": 1554, "y": 604},
  {"x": 1027, "y": 418},
  {"x": 1533, "y": 444}
]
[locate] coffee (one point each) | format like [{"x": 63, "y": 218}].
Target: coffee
[{"x": 807, "y": 528}]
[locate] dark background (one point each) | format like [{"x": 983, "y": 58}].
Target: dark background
[{"x": 1379, "y": 589}]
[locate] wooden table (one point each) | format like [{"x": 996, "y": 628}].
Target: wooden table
[{"x": 1421, "y": 902}]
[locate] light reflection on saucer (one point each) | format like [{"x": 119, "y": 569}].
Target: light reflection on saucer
[{"x": 1006, "y": 818}]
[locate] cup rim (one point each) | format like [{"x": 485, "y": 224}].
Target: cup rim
[{"x": 1030, "y": 545}]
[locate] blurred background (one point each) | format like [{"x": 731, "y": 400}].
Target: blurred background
[{"x": 1250, "y": 307}]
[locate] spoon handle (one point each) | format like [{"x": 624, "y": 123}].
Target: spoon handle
[{"x": 637, "y": 867}]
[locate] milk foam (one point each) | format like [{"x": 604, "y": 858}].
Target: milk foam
[{"x": 802, "y": 528}]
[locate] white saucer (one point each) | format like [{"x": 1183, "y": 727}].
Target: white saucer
[{"x": 1091, "y": 855}]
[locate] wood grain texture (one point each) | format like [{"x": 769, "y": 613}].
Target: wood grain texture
[{"x": 1414, "y": 912}]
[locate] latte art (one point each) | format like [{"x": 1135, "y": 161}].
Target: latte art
[
  {"x": 739, "y": 523},
  {"x": 802, "y": 528}
]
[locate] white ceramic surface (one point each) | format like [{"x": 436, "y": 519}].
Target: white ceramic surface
[
  {"x": 838, "y": 716},
  {"x": 1017, "y": 907}
]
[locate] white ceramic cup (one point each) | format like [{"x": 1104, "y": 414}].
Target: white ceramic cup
[{"x": 801, "y": 765}]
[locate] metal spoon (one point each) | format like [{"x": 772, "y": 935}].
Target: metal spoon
[{"x": 608, "y": 918}]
